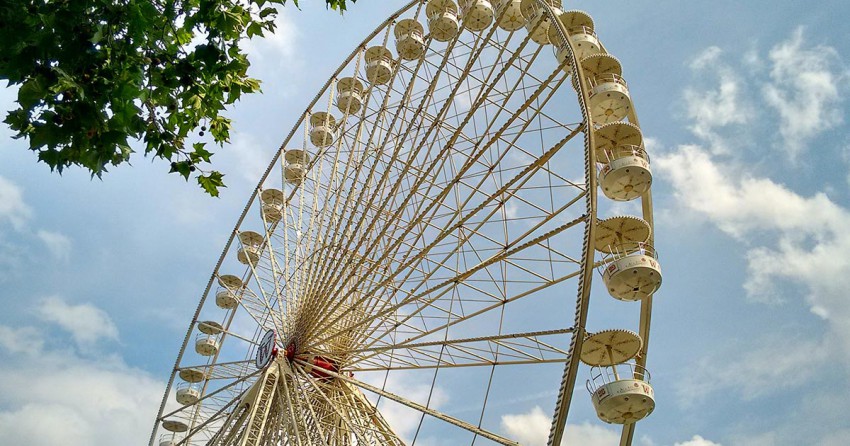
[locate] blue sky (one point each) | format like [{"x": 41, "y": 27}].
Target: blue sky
[{"x": 744, "y": 105}]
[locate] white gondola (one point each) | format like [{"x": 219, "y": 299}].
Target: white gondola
[
  {"x": 272, "y": 208},
  {"x": 207, "y": 345},
  {"x": 631, "y": 273},
  {"x": 192, "y": 375},
  {"x": 477, "y": 14},
  {"x": 579, "y": 26},
  {"x": 322, "y": 129},
  {"x": 379, "y": 65},
  {"x": 537, "y": 20},
  {"x": 626, "y": 175},
  {"x": 227, "y": 296},
  {"x": 297, "y": 156},
  {"x": 294, "y": 174},
  {"x": 349, "y": 97},
  {"x": 442, "y": 19},
  {"x": 249, "y": 253},
  {"x": 227, "y": 299},
  {"x": 621, "y": 397},
  {"x": 625, "y": 172},
  {"x": 509, "y": 14},
  {"x": 188, "y": 393},
  {"x": 409, "y": 39},
  {"x": 609, "y": 93},
  {"x": 168, "y": 440},
  {"x": 620, "y": 389}
]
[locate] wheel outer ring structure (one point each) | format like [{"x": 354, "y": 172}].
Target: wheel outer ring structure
[{"x": 585, "y": 280}]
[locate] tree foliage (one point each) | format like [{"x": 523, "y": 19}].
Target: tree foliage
[{"x": 95, "y": 75}]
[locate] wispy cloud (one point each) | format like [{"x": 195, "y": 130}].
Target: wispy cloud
[
  {"x": 58, "y": 244},
  {"x": 21, "y": 340},
  {"x": 86, "y": 323},
  {"x": 53, "y": 396},
  {"x": 532, "y": 429},
  {"x": 805, "y": 90},
  {"x": 698, "y": 441},
  {"x": 776, "y": 364},
  {"x": 13, "y": 209},
  {"x": 720, "y": 106},
  {"x": 791, "y": 237}
]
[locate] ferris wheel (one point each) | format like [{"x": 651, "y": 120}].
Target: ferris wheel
[{"x": 417, "y": 260}]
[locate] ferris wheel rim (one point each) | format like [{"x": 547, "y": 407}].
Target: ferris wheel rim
[{"x": 590, "y": 215}]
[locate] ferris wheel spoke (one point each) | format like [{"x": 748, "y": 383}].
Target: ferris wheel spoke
[
  {"x": 522, "y": 348},
  {"x": 275, "y": 279},
  {"x": 419, "y": 408},
  {"x": 510, "y": 183},
  {"x": 371, "y": 197},
  {"x": 289, "y": 405},
  {"x": 416, "y": 334},
  {"x": 384, "y": 433},
  {"x": 383, "y": 178},
  {"x": 467, "y": 165},
  {"x": 266, "y": 305},
  {"x": 210, "y": 395},
  {"x": 403, "y": 131},
  {"x": 220, "y": 370},
  {"x": 257, "y": 310},
  {"x": 349, "y": 412},
  {"x": 217, "y": 416}
]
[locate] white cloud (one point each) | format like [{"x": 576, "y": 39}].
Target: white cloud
[
  {"x": 837, "y": 438},
  {"x": 716, "y": 108},
  {"x": 58, "y": 244},
  {"x": 790, "y": 238},
  {"x": 274, "y": 51},
  {"x": 12, "y": 206},
  {"x": 794, "y": 244},
  {"x": 86, "y": 323},
  {"x": 21, "y": 340},
  {"x": 804, "y": 86},
  {"x": 805, "y": 89},
  {"x": 248, "y": 156},
  {"x": 698, "y": 441},
  {"x": 56, "y": 397},
  {"x": 532, "y": 429},
  {"x": 777, "y": 364}
]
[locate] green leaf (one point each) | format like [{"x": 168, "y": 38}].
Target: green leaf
[
  {"x": 98, "y": 35},
  {"x": 200, "y": 153},
  {"x": 32, "y": 92},
  {"x": 184, "y": 168},
  {"x": 210, "y": 183},
  {"x": 255, "y": 29}
]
